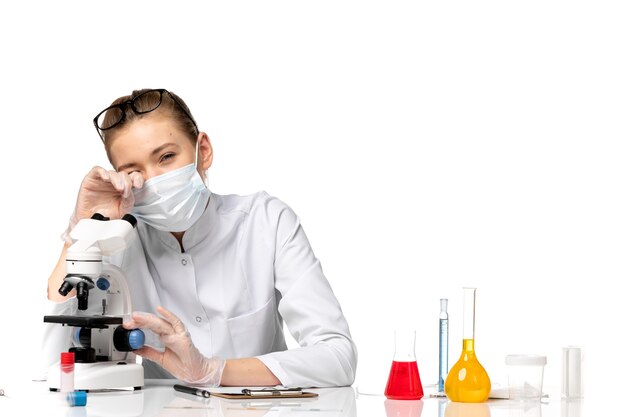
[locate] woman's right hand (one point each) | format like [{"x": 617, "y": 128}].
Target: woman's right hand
[{"x": 109, "y": 193}]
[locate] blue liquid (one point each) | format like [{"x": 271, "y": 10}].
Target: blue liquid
[{"x": 443, "y": 353}]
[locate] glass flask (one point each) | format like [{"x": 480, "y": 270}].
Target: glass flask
[
  {"x": 404, "y": 379},
  {"x": 468, "y": 381}
]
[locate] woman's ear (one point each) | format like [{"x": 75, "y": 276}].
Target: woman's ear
[{"x": 205, "y": 150}]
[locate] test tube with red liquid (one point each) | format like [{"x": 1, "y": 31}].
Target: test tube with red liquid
[{"x": 67, "y": 372}]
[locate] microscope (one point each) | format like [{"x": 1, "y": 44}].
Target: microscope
[{"x": 102, "y": 347}]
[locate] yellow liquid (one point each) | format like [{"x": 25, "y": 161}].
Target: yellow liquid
[{"x": 468, "y": 381}]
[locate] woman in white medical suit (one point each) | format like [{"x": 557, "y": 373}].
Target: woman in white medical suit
[{"x": 214, "y": 276}]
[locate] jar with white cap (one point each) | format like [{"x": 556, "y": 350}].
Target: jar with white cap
[{"x": 525, "y": 376}]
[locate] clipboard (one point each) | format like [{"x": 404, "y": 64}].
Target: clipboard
[{"x": 271, "y": 393}]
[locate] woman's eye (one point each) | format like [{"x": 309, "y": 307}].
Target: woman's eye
[
  {"x": 129, "y": 171},
  {"x": 166, "y": 157}
]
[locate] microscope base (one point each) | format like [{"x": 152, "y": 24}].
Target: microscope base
[{"x": 100, "y": 376}]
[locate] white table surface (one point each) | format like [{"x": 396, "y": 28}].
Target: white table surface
[{"x": 158, "y": 398}]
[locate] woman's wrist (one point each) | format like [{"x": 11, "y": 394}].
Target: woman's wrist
[
  {"x": 65, "y": 236},
  {"x": 56, "y": 278}
]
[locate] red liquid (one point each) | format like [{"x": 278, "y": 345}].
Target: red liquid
[{"x": 404, "y": 382}]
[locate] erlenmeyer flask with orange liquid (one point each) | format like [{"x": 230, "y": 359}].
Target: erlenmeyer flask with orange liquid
[
  {"x": 468, "y": 381},
  {"x": 404, "y": 379}
]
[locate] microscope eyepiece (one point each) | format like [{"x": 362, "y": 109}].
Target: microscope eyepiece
[
  {"x": 130, "y": 219},
  {"x": 98, "y": 216}
]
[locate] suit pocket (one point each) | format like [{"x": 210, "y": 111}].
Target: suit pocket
[{"x": 254, "y": 333}]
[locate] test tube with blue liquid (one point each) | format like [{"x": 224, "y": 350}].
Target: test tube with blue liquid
[{"x": 443, "y": 343}]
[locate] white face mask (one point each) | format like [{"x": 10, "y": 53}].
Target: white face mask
[{"x": 173, "y": 201}]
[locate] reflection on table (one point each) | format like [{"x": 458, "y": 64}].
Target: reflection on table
[{"x": 158, "y": 398}]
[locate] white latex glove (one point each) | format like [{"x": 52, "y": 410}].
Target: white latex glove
[
  {"x": 106, "y": 192},
  {"x": 180, "y": 358}
]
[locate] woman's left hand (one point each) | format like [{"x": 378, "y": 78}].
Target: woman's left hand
[{"x": 181, "y": 358}]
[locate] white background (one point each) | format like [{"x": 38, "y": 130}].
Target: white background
[{"x": 426, "y": 146}]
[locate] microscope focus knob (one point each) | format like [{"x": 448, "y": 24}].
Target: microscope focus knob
[{"x": 128, "y": 340}]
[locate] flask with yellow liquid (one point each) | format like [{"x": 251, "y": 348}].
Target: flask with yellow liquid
[{"x": 468, "y": 381}]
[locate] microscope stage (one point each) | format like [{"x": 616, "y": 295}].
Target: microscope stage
[{"x": 94, "y": 322}]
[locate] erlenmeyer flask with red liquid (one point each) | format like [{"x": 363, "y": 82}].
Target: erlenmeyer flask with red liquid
[{"x": 404, "y": 379}]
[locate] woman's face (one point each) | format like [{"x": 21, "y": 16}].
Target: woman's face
[{"x": 151, "y": 146}]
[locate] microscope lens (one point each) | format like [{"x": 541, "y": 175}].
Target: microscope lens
[{"x": 65, "y": 288}]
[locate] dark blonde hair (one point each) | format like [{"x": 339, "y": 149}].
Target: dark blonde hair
[{"x": 171, "y": 105}]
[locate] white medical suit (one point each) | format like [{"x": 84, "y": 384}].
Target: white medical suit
[{"x": 247, "y": 266}]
